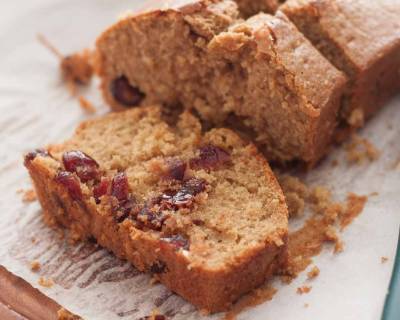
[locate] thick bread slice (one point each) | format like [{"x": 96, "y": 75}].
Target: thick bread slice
[
  {"x": 203, "y": 213},
  {"x": 261, "y": 72},
  {"x": 361, "y": 38}
]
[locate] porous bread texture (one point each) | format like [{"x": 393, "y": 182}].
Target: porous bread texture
[
  {"x": 361, "y": 38},
  {"x": 241, "y": 239},
  {"x": 262, "y": 72},
  {"x": 251, "y": 7}
]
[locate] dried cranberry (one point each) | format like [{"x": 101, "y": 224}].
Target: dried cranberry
[
  {"x": 83, "y": 165},
  {"x": 101, "y": 189},
  {"x": 178, "y": 241},
  {"x": 184, "y": 197},
  {"x": 151, "y": 217},
  {"x": 126, "y": 208},
  {"x": 210, "y": 157},
  {"x": 176, "y": 169},
  {"x": 125, "y": 93},
  {"x": 158, "y": 267},
  {"x": 120, "y": 186},
  {"x": 33, "y": 154},
  {"x": 71, "y": 182}
]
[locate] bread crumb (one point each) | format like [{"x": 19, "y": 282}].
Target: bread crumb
[
  {"x": 313, "y": 273},
  {"x": 306, "y": 305},
  {"x": 77, "y": 68},
  {"x": 86, "y": 105},
  {"x": 360, "y": 149},
  {"x": 303, "y": 289},
  {"x": 35, "y": 266},
  {"x": 384, "y": 259},
  {"x": 29, "y": 196},
  {"x": 296, "y": 192},
  {"x": 63, "y": 314},
  {"x": 354, "y": 206},
  {"x": 356, "y": 118},
  {"x": 47, "y": 283}
]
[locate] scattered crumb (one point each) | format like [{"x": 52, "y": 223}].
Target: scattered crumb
[
  {"x": 63, "y": 314},
  {"x": 86, "y": 105},
  {"x": 19, "y": 191},
  {"x": 303, "y": 289},
  {"x": 47, "y": 283},
  {"x": 373, "y": 194},
  {"x": 35, "y": 266},
  {"x": 295, "y": 193},
  {"x": 306, "y": 305},
  {"x": 359, "y": 149},
  {"x": 334, "y": 163},
  {"x": 384, "y": 259},
  {"x": 356, "y": 118},
  {"x": 77, "y": 68},
  {"x": 397, "y": 165},
  {"x": 33, "y": 240},
  {"x": 354, "y": 206},
  {"x": 254, "y": 298},
  {"x": 29, "y": 195},
  {"x": 313, "y": 273}
]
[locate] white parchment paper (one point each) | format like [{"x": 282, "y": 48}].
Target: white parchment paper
[{"x": 36, "y": 109}]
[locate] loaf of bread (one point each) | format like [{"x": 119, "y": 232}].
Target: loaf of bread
[
  {"x": 203, "y": 213},
  {"x": 260, "y": 76},
  {"x": 361, "y": 38}
]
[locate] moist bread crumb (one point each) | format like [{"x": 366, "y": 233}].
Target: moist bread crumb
[
  {"x": 46, "y": 282},
  {"x": 29, "y": 195},
  {"x": 260, "y": 76},
  {"x": 359, "y": 150},
  {"x": 354, "y": 206},
  {"x": 86, "y": 105},
  {"x": 35, "y": 266},
  {"x": 303, "y": 289},
  {"x": 313, "y": 273},
  {"x": 203, "y": 213}
]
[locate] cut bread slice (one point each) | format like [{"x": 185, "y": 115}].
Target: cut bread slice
[
  {"x": 203, "y": 213},
  {"x": 361, "y": 38},
  {"x": 262, "y": 73}
]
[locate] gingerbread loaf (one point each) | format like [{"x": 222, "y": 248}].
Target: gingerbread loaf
[
  {"x": 261, "y": 76},
  {"x": 203, "y": 213},
  {"x": 361, "y": 38}
]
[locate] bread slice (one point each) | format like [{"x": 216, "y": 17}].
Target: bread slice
[
  {"x": 251, "y": 7},
  {"x": 203, "y": 213},
  {"x": 361, "y": 38},
  {"x": 262, "y": 73}
]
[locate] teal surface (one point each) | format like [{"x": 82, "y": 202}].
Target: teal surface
[{"x": 392, "y": 304}]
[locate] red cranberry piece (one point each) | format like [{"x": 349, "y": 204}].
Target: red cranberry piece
[
  {"x": 71, "y": 182},
  {"x": 120, "y": 186},
  {"x": 178, "y": 241},
  {"x": 151, "y": 218},
  {"x": 83, "y": 165},
  {"x": 176, "y": 169},
  {"x": 33, "y": 154},
  {"x": 125, "y": 93},
  {"x": 210, "y": 157},
  {"x": 101, "y": 189},
  {"x": 126, "y": 208},
  {"x": 185, "y": 196}
]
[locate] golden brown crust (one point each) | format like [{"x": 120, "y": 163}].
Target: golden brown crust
[{"x": 210, "y": 288}]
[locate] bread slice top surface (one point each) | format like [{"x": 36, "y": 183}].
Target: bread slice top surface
[
  {"x": 362, "y": 30},
  {"x": 239, "y": 211}
]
